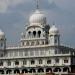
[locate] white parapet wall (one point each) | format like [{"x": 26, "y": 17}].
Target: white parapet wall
[{"x": 59, "y": 73}]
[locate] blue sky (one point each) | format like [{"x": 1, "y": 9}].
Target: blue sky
[{"x": 14, "y": 16}]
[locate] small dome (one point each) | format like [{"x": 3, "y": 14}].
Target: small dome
[
  {"x": 37, "y": 17},
  {"x": 2, "y": 35},
  {"x": 53, "y": 30}
]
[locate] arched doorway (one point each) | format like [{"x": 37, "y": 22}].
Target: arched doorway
[
  {"x": 40, "y": 70},
  {"x": 1, "y": 72},
  {"x": 16, "y": 71},
  {"x": 24, "y": 71},
  {"x": 8, "y": 71},
  {"x": 65, "y": 69},
  {"x": 32, "y": 70},
  {"x": 49, "y": 70},
  {"x": 57, "y": 69}
]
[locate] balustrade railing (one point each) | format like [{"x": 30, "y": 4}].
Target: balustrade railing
[{"x": 55, "y": 73}]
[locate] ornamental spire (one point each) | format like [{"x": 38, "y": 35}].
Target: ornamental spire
[{"x": 37, "y": 4}]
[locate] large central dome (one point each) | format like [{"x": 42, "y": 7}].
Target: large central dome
[{"x": 37, "y": 18}]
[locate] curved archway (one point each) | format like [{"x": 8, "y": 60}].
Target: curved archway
[
  {"x": 32, "y": 70},
  {"x": 1, "y": 72},
  {"x": 34, "y": 33},
  {"x": 16, "y": 71},
  {"x": 8, "y": 71},
  {"x": 24, "y": 71},
  {"x": 29, "y": 32},
  {"x": 40, "y": 70},
  {"x": 16, "y": 62},
  {"x": 65, "y": 69},
  {"x": 57, "y": 69},
  {"x": 49, "y": 70},
  {"x": 32, "y": 62},
  {"x": 39, "y": 33}
]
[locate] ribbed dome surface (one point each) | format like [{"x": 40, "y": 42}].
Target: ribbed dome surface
[
  {"x": 37, "y": 17},
  {"x": 53, "y": 30}
]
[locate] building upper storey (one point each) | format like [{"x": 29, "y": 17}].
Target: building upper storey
[{"x": 38, "y": 34}]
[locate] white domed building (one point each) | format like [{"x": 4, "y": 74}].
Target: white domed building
[
  {"x": 37, "y": 18},
  {"x": 40, "y": 50}
]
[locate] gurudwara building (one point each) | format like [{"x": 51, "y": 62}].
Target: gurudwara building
[{"x": 40, "y": 50}]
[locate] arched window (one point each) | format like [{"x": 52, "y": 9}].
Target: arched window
[
  {"x": 8, "y": 71},
  {"x": 32, "y": 70},
  {"x": 16, "y": 62},
  {"x": 57, "y": 69},
  {"x": 48, "y": 61},
  {"x": 32, "y": 62},
  {"x": 34, "y": 33},
  {"x": 24, "y": 71},
  {"x": 29, "y": 33},
  {"x": 65, "y": 69},
  {"x": 40, "y": 70},
  {"x": 39, "y": 33},
  {"x": 49, "y": 70},
  {"x": 16, "y": 71},
  {"x": 1, "y": 71}
]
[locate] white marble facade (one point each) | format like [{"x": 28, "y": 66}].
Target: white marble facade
[{"x": 40, "y": 49}]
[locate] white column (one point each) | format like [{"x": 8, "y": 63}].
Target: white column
[
  {"x": 12, "y": 71},
  {"x": 5, "y": 63},
  {"x": 52, "y": 69},
  {"x": 20, "y": 63},
  {"x": 4, "y": 71},
  {"x": 36, "y": 34},
  {"x": 44, "y": 70},
  {"x": 36, "y": 70},
  {"x": 20, "y": 71},
  {"x": 70, "y": 69},
  {"x": 61, "y": 69}
]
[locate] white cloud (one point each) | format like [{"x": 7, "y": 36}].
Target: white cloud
[{"x": 5, "y": 4}]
